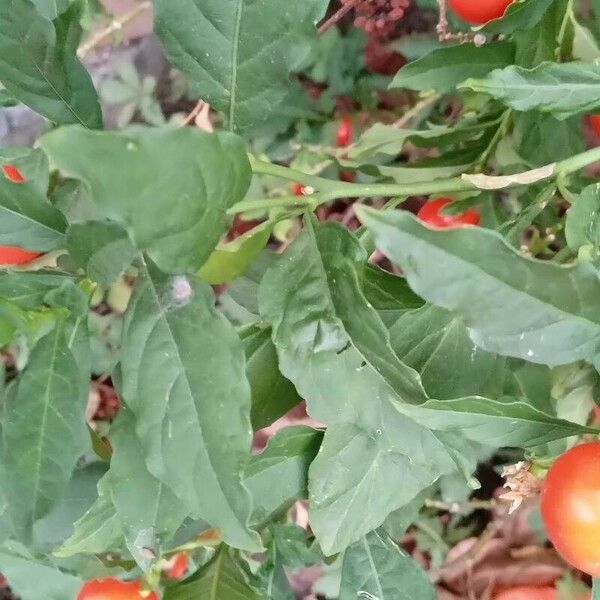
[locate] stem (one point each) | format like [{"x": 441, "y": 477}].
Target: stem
[
  {"x": 330, "y": 190},
  {"x": 500, "y": 133}
]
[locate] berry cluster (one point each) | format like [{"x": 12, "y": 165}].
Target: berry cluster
[{"x": 379, "y": 17}]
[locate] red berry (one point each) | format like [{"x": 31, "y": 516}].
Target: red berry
[
  {"x": 347, "y": 176},
  {"x": 571, "y": 508},
  {"x": 12, "y": 174},
  {"x": 343, "y": 136},
  {"x": 113, "y": 589},
  {"x": 595, "y": 123},
  {"x": 479, "y": 12},
  {"x": 178, "y": 566},
  {"x": 298, "y": 189},
  {"x": 13, "y": 255},
  {"x": 430, "y": 215}
]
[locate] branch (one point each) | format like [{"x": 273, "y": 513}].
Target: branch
[{"x": 327, "y": 189}]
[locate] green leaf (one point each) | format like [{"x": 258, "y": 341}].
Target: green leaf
[
  {"x": 177, "y": 219},
  {"x": 39, "y": 67},
  {"x": 374, "y": 567},
  {"x": 96, "y": 531},
  {"x": 277, "y": 477},
  {"x": 582, "y": 225},
  {"x": 44, "y": 430},
  {"x": 553, "y": 309},
  {"x": 238, "y": 54},
  {"x": 444, "y": 68},
  {"x": 146, "y": 525},
  {"x": 436, "y": 344},
  {"x": 389, "y": 140},
  {"x": 219, "y": 579},
  {"x": 498, "y": 423},
  {"x": 243, "y": 291},
  {"x": 102, "y": 248},
  {"x": 335, "y": 349},
  {"x": 79, "y": 497},
  {"x": 52, "y": 8},
  {"x": 230, "y": 260},
  {"x": 542, "y": 139},
  {"x": 27, "y": 577},
  {"x": 389, "y": 295},
  {"x": 272, "y": 394},
  {"x": 30, "y": 289},
  {"x": 562, "y": 89},
  {"x": 27, "y": 219},
  {"x": 193, "y": 423},
  {"x": 523, "y": 14},
  {"x": 539, "y": 43}
]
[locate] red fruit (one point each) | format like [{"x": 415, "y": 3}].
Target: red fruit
[
  {"x": 527, "y": 592},
  {"x": 347, "y": 176},
  {"x": 13, "y": 255},
  {"x": 430, "y": 215},
  {"x": 298, "y": 189},
  {"x": 178, "y": 566},
  {"x": 113, "y": 589},
  {"x": 343, "y": 136},
  {"x": 12, "y": 174},
  {"x": 570, "y": 504},
  {"x": 595, "y": 123},
  {"x": 480, "y": 11}
]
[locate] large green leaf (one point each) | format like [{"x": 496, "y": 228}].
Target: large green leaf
[
  {"x": 272, "y": 394},
  {"x": 374, "y": 567},
  {"x": 563, "y": 89},
  {"x": 44, "y": 430},
  {"x": 278, "y": 476},
  {"x": 193, "y": 421},
  {"x": 39, "y": 67},
  {"x": 334, "y": 348},
  {"x": 219, "y": 579},
  {"x": 513, "y": 305},
  {"x": 169, "y": 187},
  {"x": 238, "y": 54},
  {"x": 27, "y": 219},
  {"x": 436, "y": 343},
  {"x": 145, "y": 525},
  {"x": 444, "y": 68}
]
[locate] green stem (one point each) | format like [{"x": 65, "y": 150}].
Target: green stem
[
  {"x": 330, "y": 190},
  {"x": 500, "y": 133}
]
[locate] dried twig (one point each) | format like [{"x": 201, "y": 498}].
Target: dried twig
[
  {"x": 338, "y": 15},
  {"x": 116, "y": 25},
  {"x": 445, "y": 36},
  {"x": 200, "y": 105}
]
